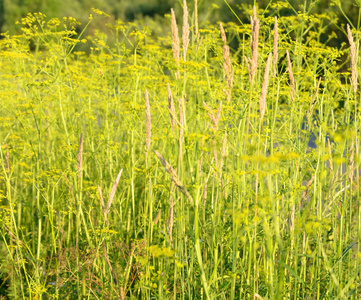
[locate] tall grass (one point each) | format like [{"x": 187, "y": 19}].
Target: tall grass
[{"x": 136, "y": 172}]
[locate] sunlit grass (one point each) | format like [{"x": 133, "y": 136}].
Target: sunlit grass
[{"x": 114, "y": 187}]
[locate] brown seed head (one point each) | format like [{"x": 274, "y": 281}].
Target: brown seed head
[
  {"x": 275, "y": 48},
  {"x": 353, "y": 59},
  {"x": 185, "y": 30},
  {"x": 262, "y": 100},
  {"x": 80, "y": 156},
  {"x": 175, "y": 37},
  {"x": 292, "y": 78}
]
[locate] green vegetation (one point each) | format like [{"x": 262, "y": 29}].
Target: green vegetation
[{"x": 115, "y": 185}]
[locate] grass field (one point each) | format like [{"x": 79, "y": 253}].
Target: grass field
[{"x": 216, "y": 162}]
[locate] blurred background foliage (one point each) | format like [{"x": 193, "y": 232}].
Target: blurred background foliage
[{"x": 153, "y": 11}]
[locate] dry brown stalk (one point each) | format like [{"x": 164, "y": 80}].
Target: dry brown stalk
[
  {"x": 214, "y": 119},
  {"x": 170, "y": 221},
  {"x": 275, "y": 48},
  {"x": 15, "y": 238},
  {"x": 7, "y": 160},
  {"x": 305, "y": 192},
  {"x": 185, "y": 30},
  {"x": 351, "y": 161},
  {"x": 254, "y": 45},
  {"x": 330, "y": 161},
  {"x": 148, "y": 122},
  {"x": 223, "y": 155},
  {"x": 224, "y": 149},
  {"x": 205, "y": 192},
  {"x": 122, "y": 294},
  {"x": 262, "y": 100},
  {"x": 247, "y": 61},
  {"x": 101, "y": 198},
  {"x": 223, "y": 34},
  {"x": 218, "y": 114},
  {"x": 80, "y": 156},
  {"x": 168, "y": 168},
  {"x": 175, "y": 36},
  {"x": 172, "y": 112},
  {"x": 292, "y": 78},
  {"x": 109, "y": 264},
  {"x": 292, "y": 221},
  {"x": 157, "y": 217},
  {"x": 353, "y": 59}
]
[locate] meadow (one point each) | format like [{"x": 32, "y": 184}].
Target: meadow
[{"x": 218, "y": 161}]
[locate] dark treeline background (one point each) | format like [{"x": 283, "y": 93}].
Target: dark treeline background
[{"x": 209, "y": 11}]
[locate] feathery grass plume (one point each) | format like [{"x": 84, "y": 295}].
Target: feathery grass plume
[
  {"x": 172, "y": 112},
  {"x": 262, "y": 100},
  {"x": 112, "y": 192},
  {"x": 228, "y": 70},
  {"x": 223, "y": 34},
  {"x": 175, "y": 36},
  {"x": 170, "y": 221},
  {"x": 254, "y": 44},
  {"x": 290, "y": 74},
  {"x": 275, "y": 48},
  {"x": 80, "y": 156},
  {"x": 148, "y": 122},
  {"x": 157, "y": 217},
  {"x": 185, "y": 30},
  {"x": 353, "y": 59},
  {"x": 101, "y": 198},
  {"x": 168, "y": 168}
]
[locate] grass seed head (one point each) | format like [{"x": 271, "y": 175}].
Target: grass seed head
[
  {"x": 112, "y": 192},
  {"x": 185, "y": 30},
  {"x": 223, "y": 34},
  {"x": 175, "y": 36},
  {"x": 290, "y": 74},
  {"x": 172, "y": 112},
  {"x": 254, "y": 44},
  {"x": 353, "y": 59},
  {"x": 170, "y": 220},
  {"x": 262, "y": 100},
  {"x": 275, "y": 48}
]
